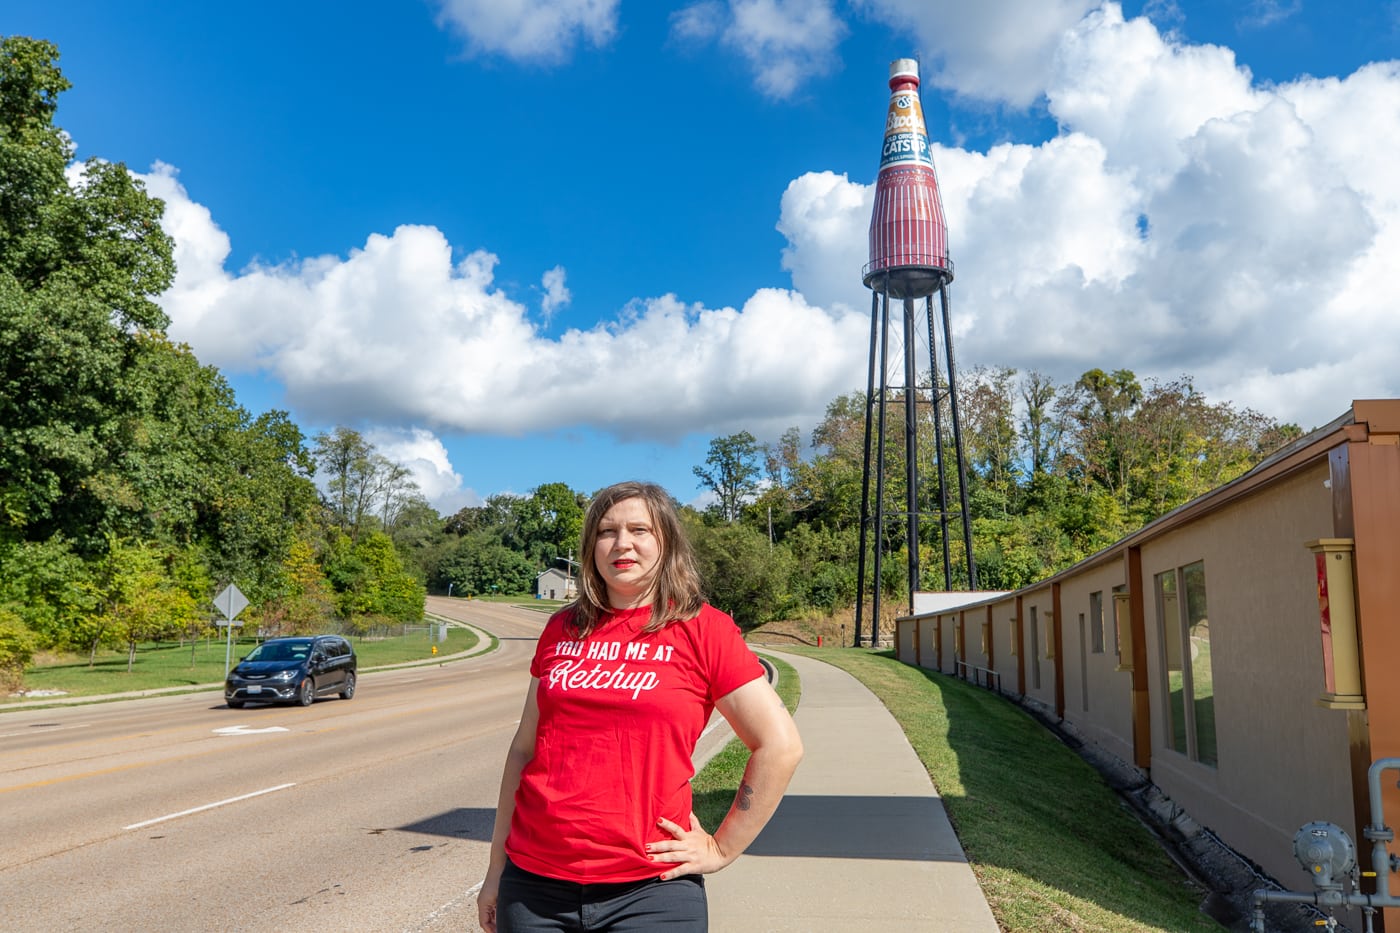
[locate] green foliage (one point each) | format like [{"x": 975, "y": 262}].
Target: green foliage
[
  {"x": 823, "y": 577},
  {"x": 418, "y": 536},
  {"x": 744, "y": 575},
  {"x": 733, "y": 473},
  {"x": 370, "y": 582},
  {"x": 129, "y": 475},
  {"x": 16, "y": 650},
  {"x": 130, "y": 480},
  {"x": 141, "y": 599},
  {"x": 49, "y": 587},
  {"x": 302, "y": 602},
  {"x": 480, "y": 565},
  {"x": 367, "y": 490},
  {"x": 548, "y": 523}
]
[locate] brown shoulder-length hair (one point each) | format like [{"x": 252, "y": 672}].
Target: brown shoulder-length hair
[{"x": 676, "y": 595}]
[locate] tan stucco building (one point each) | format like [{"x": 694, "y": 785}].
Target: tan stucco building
[{"x": 1242, "y": 651}]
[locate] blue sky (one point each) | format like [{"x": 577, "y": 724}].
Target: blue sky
[{"x": 528, "y": 241}]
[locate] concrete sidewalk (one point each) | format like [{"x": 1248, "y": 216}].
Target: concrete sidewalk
[{"x": 861, "y": 841}]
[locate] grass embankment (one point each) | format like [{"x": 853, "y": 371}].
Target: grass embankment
[
  {"x": 1051, "y": 844},
  {"x": 713, "y": 789},
  {"x": 167, "y": 665}
]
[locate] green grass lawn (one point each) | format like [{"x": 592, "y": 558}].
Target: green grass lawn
[
  {"x": 1051, "y": 844},
  {"x": 167, "y": 665}
]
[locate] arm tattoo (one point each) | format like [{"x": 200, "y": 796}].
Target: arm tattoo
[{"x": 743, "y": 801}]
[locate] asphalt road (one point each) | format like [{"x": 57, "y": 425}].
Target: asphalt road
[{"x": 177, "y": 813}]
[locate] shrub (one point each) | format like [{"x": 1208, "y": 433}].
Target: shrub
[{"x": 16, "y": 650}]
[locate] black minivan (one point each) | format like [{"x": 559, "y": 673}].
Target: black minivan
[{"x": 293, "y": 670}]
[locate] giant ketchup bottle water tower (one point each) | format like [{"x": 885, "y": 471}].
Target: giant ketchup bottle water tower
[{"x": 908, "y": 262}]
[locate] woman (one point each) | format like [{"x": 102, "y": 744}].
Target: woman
[{"x": 594, "y": 827}]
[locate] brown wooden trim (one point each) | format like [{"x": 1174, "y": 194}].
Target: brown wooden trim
[
  {"x": 1057, "y": 637},
  {"x": 991, "y": 641},
  {"x": 1020, "y": 646},
  {"x": 1142, "y": 708},
  {"x": 1375, "y": 496}
]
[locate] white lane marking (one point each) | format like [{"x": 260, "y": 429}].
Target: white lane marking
[
  {"x": 248, "y": 730},
  {"x": 449, "y": 908},
  {"x": 208, "y": 806}
]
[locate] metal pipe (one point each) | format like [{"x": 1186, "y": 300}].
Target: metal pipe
[
  {"x": 957, "y": 438},
  {"x": 911, "y": 455},
  {"x": 1378, "y": 832},
  {"x": 938, "y": 445},
  {"x": 865, "y": 470},
  {"x": 880, "y": 463},
  {"x": 1382, "y": 864}
]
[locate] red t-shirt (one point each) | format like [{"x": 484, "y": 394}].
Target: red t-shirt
[{"x": 620, "y": 713}]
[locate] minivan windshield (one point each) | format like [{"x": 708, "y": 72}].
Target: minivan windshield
[{"x": 280, "y": 651}]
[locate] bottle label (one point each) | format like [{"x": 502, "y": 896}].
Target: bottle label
[{"x": 906, "y": 139}]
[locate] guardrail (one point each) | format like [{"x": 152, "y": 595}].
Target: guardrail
[{"x": 981, "y": 676}]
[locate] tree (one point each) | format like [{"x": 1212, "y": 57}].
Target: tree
[
  {"x": 343, "y": 459},
  {"x": 16, "y": 650},
  {"x": 362, "y": 483},
  {"x": 500, "y": 516},
  {"x": 481, "y": 565},
  {"x": 989, "y": 430},
  {"x": 418, "y": 535},
  {"x": 304, "y": 601},
  {"x": 80, "y": 265},
  {"x": 1100, "y": 409},
  {"x": 742, "y": 574},
  {"x": 1039, "y": 430},
  {"x": 371, "y": 585},
  {"x": 260, "y": 495},
  {"x": 141, "y": 601},
  {"x": 733, "y": 473},
  {"x": 550, "y": 522},
  {"x": 48, "y": 586},
  {"x": 833, "y": 480}
]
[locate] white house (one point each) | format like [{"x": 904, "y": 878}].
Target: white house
[{"x": 555, "y": 584}]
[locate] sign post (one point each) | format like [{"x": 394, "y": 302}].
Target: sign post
[{"x": 230, "y": 602}]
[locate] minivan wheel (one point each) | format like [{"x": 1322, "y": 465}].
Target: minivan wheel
[
  {"x": 348, "y": 691},
  {"x": 235, "y": 704},
  {"x": 306, "y": 695}
]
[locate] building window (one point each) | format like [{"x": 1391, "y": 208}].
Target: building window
[
  {"x": 1185, "y": 651},
  {"x": 1096, "y": 622}
]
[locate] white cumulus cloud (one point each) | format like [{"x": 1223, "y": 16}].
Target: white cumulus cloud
[
  {"x": 784, "y": 42},
  {"x": 395, "y": 334},
  {"x": 1000, "y": 51},
  {"x": 539, "y": 31},
  {"x": 421, "y": 453},
  {"x": 1184, "y": 221},
  {"x": 556, "y": 293}
]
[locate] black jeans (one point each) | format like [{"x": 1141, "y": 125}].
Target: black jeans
[{"x": 531, "y": 903}]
